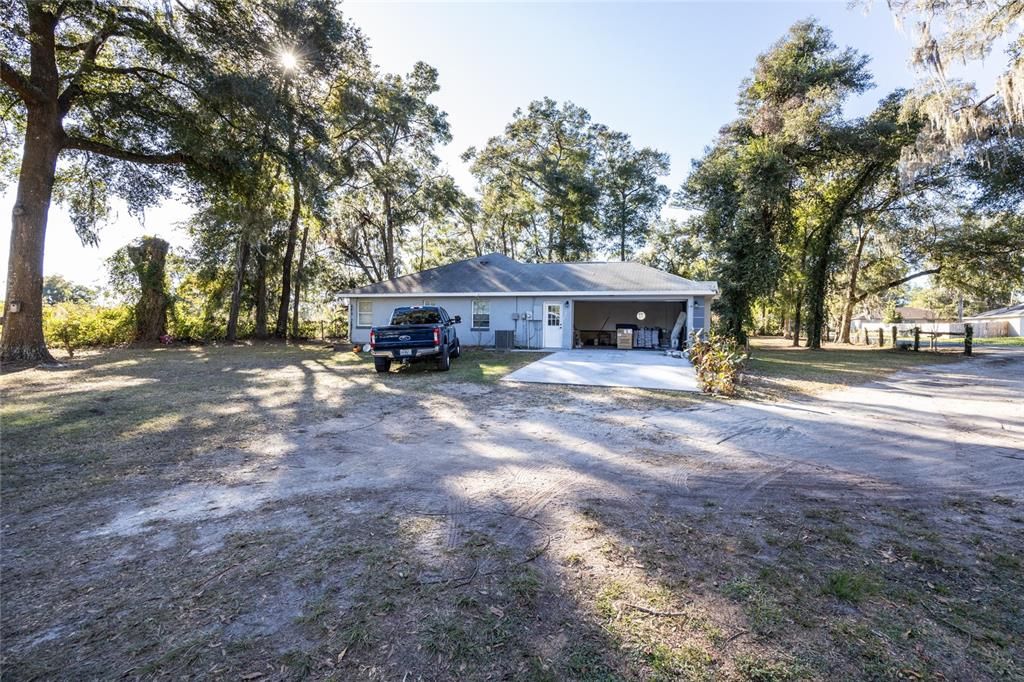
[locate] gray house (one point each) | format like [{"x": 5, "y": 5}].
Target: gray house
[{"x": 538, "y": 305}]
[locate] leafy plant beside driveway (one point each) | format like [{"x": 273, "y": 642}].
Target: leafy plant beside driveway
[{"x": 719, "y": 363}]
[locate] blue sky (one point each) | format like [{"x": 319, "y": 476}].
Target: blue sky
[{"x": 666, "y": 73}]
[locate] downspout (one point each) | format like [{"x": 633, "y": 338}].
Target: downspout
[
  {"x": 571, "y": 324},
  {"x": 689, "y": 328}
]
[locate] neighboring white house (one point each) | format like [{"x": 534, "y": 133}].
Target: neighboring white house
[
  {"x": 910, "y": 317},
  {"x": 540, "y": 305},
  {"x": 1008, "y": 321}
]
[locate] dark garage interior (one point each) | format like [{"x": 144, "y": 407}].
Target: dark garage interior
[{"x": 597, "y": 324}]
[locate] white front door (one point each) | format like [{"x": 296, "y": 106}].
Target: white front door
[{"x": 552, "y": 324}]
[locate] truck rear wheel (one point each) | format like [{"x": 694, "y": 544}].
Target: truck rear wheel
[
  {"x": 382, "y": 364},
  {"x": 444, "y": 363}
]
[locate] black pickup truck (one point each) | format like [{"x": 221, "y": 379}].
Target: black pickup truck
[{"x": 415, "y": 334}]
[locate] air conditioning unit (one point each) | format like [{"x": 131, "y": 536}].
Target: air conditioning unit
[{"x": 504, "y": 339}]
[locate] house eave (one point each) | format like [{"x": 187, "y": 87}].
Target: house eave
[
  {"x": 675, "y": 293},
  {"x": 1013, "y": 316}
]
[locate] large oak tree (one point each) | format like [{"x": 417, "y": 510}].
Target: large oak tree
[{"x": 108, "y": 89}]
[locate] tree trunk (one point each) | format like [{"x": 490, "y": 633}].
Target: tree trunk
[
  {"x": 241, "y": 261},
  {"x": 23, "y": 330},
  {"x": 390, "y": 262},
  {"x": 818, "y": 279},
  {"x": 561, "y": 239},
  {"x": 818, "y": 283},
  {"x": 298, "y": 281},
  {"x": 150, "y": 259},
  {"x": 261, "y": 292},
  {"x": 851, "y": 291},
  {"x": 423, "y": 245},
  {"x": 281, "y": 328},
  {"x": 798, "y": 307},
  {"x": 22, "y": 338}
]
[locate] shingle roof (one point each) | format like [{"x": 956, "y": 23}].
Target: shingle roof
[
  {"x": 495, "y": 273},
  {"x": 1008, "y": 311},
  {"x": 906, "y": 312}
]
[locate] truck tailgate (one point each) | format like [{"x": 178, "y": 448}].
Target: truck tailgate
[{"x": 405, "y": 337}]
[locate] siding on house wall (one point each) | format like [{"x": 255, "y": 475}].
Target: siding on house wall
[
  {"x": 998, "y": 326},
  {"x": 529, "y": 333}
]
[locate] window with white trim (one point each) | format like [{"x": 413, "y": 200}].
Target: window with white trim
[
  {"x": 481, "y": 314},
  {"x": 364, "y": 314}
]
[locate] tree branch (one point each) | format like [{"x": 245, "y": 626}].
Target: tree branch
[
  {"x": 74, "y": 47},
  {"x": 91, "y": 49},
  {"x": 17, "y": 81},
  {"x": 896, "y": 283},
  {"x": 133, "y": 156}
]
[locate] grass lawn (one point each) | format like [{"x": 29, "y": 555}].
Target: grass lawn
[
  {"x": 477, "y": 366},
  {"x": 777, "y": 369},
  {"x": 1000, "y": 341}
]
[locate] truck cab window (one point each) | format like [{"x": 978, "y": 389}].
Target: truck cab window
[{"x": 415, "y": 316}]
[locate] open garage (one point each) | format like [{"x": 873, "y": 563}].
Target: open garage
[{"x": 597, "y": 323}]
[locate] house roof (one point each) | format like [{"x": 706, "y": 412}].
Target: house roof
[
  {"x": 908, "y": 313},
  {"x": 911, "y": 313},
  {"x": 495, "y": 274},
  {"x": 1008, "y": 311}
]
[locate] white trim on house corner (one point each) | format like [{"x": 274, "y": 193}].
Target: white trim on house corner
[{"x": 681, "y": 294}]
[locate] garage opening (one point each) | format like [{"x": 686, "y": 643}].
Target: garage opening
[{"x": 630, "y": 324}]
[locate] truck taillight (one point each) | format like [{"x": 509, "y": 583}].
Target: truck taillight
[
  {"x": 437, "y": 336},
  {"x": 373, "y": 339}
]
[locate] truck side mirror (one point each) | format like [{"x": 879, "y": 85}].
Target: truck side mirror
[{"x": 457, "y": 319}]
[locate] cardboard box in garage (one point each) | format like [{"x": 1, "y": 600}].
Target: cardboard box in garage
[{"x": 624, "y": 339}]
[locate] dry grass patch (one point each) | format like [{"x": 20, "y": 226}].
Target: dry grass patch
[
  {"x": 247, "y": 513},
  {"x": 778, "y": 370}
]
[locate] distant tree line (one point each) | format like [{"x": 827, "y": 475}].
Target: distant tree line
[{"x": 311, "y": 171}]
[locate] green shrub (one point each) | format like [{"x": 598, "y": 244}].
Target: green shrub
[
  {"x": 80, "y": 325},
  {"x": 718, "y": 361},
  {"x": 185, "y": 324}
]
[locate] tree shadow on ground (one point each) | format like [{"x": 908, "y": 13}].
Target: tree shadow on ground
[{"x": 293, "y": 515}]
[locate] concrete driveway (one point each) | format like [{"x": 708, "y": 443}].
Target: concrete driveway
[{"x": 620, "y": 368}]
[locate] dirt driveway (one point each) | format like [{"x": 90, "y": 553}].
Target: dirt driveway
[{"x": 287, "y": 514}]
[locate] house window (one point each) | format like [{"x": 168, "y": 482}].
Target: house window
[
  {"x": 481, "y": 315},
  {"x": 364, "y": 314}
]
